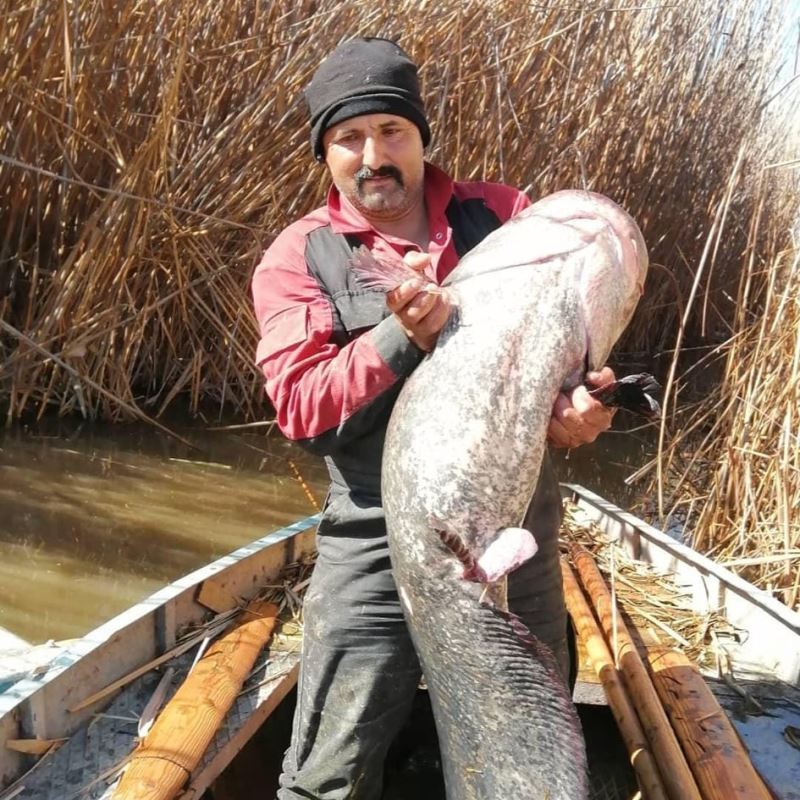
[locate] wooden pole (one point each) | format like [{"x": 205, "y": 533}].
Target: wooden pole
[
  {"x": 677, "y": 776},
  {"x": 628, "y": 723},
  {"x": 165, "y": 758},
  {"x": 719, "y": 760}
]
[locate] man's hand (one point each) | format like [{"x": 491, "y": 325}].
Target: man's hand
[
  {"x": 578, "y": 418},
  {"x": 420, "y": 306}
]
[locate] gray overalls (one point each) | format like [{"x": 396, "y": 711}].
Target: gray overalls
[{"x": 359, "y": 672}]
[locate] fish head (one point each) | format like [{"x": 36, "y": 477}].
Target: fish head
[{"x": 611, "y": 265}]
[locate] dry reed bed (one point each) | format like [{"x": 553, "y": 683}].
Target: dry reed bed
[
  {"x": 150, "y": 153},
  {"x": 730, "y": 464}
]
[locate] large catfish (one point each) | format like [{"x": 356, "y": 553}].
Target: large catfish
[{"x": 537, "y": 302}]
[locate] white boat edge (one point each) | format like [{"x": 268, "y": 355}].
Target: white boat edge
[
  {"x": 10, "y": 641},
  {"x": 772, "y": 630},
  {"x": 39, "y": 707}
]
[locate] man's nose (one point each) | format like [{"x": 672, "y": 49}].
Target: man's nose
[{"x": 373, "y": 153}]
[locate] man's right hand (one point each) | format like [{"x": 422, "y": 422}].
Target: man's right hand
[{"x": 421, "y": 308}]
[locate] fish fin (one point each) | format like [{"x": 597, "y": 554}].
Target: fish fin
[
  {"x": 379, "y": 272},
  {"x": 633, "y": 392},
  {"x": 510, "y": 549},
  {"x": 541, "y": 651}
]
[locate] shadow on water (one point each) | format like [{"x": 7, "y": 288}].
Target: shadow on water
[
  {"x": 605, "y": 464},
  {"x": 93, "y": 519}
]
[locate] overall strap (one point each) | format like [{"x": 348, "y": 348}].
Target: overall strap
[
  {"x": 353, "y": 307},
  {"x": 327, "y": 256},
  {"x": 471, "y": 221}
]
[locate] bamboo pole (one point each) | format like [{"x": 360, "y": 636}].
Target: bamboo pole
[
  {"x": 718, "y": 758},
  {"x": 641, "y": 759},
  {"x": 211, "y": 630},
  {"x": 165, "y": 758},
  {"x": 678, "y": 780}
]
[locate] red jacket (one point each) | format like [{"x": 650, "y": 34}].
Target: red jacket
[{"x": 319, "y": 371}]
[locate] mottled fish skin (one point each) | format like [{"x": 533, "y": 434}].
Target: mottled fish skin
[
  {"x": 506, "y": 723},
  {"x": 461, "y": 459}
]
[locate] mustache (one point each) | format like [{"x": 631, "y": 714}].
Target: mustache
[{"x": 388, "y": 171}]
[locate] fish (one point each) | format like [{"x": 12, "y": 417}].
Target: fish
[
  {"x": 634, "y": 393},
  {"x": 538, "y": 302}
]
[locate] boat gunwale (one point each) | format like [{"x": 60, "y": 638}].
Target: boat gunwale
[
  {"x": 705, "y": 594},
  {"x": 26, "y": 711}
]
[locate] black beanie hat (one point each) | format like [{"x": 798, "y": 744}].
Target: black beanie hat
[{"x": 364, "y": 76}]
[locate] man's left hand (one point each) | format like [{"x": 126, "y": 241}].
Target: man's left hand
[{"x": 578, "y": 418}]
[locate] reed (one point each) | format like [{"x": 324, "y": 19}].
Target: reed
[
  {"x": 149, "y": 154},
  {"x": 730, "y": 462}
]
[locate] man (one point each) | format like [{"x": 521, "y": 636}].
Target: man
[{"x": 335, "y": 356}]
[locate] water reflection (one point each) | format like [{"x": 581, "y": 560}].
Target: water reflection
[
  {"x": 604, "y": 465},
  {"x": 94, "y": 518}
]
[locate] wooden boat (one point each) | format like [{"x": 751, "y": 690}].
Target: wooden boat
[{"x": 67, "y": 733}]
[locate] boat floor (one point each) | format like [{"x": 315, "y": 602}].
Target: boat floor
[
  {"x": 413, "y": 767},
  {"x": 86, "y": 765},
  {"x": 414, "y": 770},
  {"x": 256, "y": 732}
]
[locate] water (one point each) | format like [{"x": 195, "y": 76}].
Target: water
[
  {"x": 95, "y": 518},
  {"x": 604, "y": 465}
]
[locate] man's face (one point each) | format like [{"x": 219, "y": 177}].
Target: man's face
[{"x": 376, "y": 162}]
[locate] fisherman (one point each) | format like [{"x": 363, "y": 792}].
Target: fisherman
[{"x": 335, "y": 357}]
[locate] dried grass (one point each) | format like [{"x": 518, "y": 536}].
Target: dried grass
[
  {"x": 733, "y": 458},
  {"x": 149, "y": 154},
  {"x": 649, "y": 598}
]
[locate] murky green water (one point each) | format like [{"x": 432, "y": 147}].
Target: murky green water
[{"x": 94, "y": 518}]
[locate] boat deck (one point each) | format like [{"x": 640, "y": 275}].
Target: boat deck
[{"x": 90, "y": 762}]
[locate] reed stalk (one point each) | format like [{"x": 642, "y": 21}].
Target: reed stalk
[
  {"x": 149, "y": 155},
  {"x": 150, "y": 152}
]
